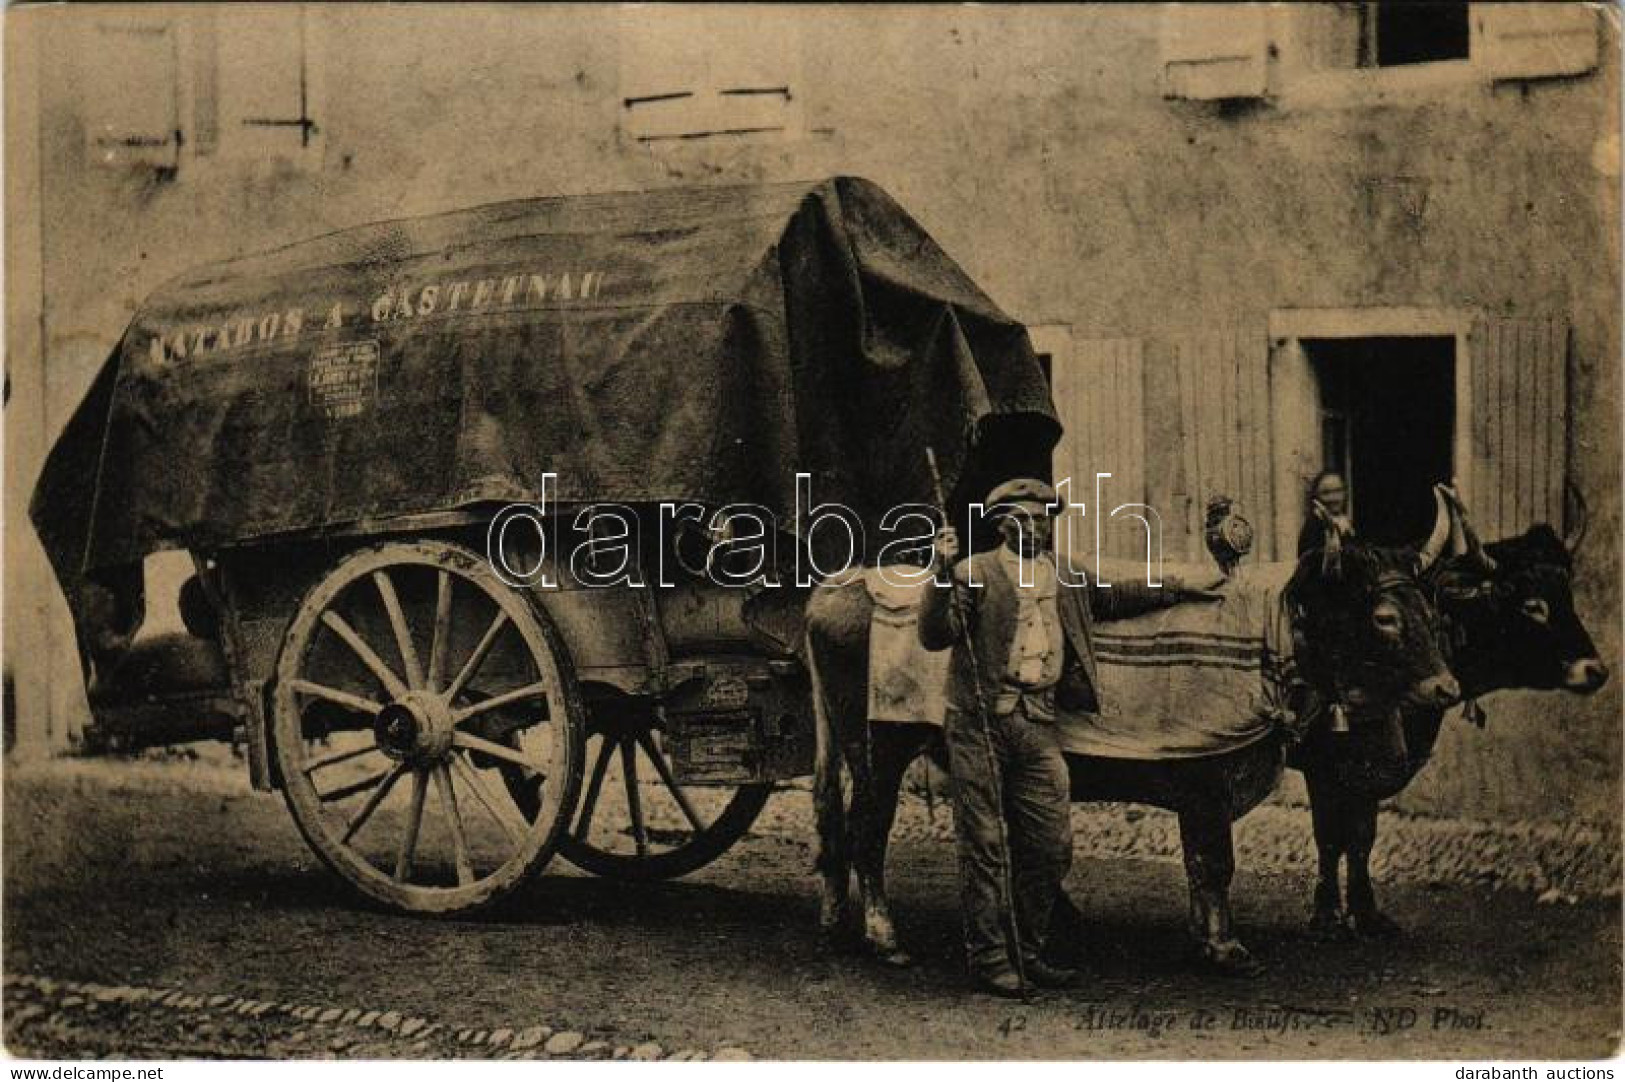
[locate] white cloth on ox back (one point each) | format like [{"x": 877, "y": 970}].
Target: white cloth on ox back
[
  {"x": 1188, "y": 681},
  {"x": 907, "y": 682}
]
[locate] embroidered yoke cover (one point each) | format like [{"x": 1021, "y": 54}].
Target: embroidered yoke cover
[{"x": 1193, "y": 680}]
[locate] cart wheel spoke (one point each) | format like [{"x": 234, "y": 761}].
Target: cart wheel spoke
[
  {"x": 359, "y": 647},
  {"x": 414, "y": 822},
  {"x": 513, "y": 826},
  {"x": 337, "y": 757},
  {"x": 634, "y": 804},
  {"x": 663, "y": 768},
  {"x": 344, "y": 792},
  {"x": 377, "y": 798},
  {"x": 442, "y": 631},
  {"x": 670, "y": 841},
  {"x": 359, "y": 703},
  {"x": 397, "y": 623},
  {"x": 537, "y": 690},
  {"x": 471, "y": 742},
  {"x": 454, "y": 821},
  {"x": 606, "y": 749},
  {"x": 471, "y": 666}
]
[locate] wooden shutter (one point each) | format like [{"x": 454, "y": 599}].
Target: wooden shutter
[
  {"x": 1215, "y": 51},
  {"x": 131, "y": 106},
  {"x": 262, "y": 84},
  {"x": 1224, "y": 409},
  {"x": 1519, "y": 423},
  {"x": 696, "y": 71},
  {"x": 664, "y": 75},
  {"x": 1535, "y": 41},
  {"x": 1099, "y": 393}
]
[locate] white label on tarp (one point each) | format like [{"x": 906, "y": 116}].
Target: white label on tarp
[{"x": 343, "y": 378}]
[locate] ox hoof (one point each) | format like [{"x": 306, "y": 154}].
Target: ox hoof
[
  {"x": 1371, "y": 924},
  {"x": 1328, "y": 926},
  {"x": 835, "y": 938},
  {"x": 1229, "y": 959}
]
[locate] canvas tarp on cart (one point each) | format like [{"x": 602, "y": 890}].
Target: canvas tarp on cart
[{"x": 694, "y": 344}]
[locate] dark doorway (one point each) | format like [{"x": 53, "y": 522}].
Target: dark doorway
[{"x": 1388, "y": 408}]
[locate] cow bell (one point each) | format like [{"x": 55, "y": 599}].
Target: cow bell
[{"x": 1340, "y": 720}]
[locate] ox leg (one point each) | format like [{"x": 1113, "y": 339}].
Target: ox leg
[
  {"x": 1364, "y": 916},
  {"x": 833, "y": 861},
  {"x": 1210, "y": 864},
  {"x": 834, "y": 868},
  {"x": 874, "y": 809},
  {"x": 1329, "y": 813}
]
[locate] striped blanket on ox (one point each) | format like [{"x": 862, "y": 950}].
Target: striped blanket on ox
[{"x": 1193, "y": 680}]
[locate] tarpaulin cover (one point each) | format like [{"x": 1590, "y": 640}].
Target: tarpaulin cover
[{"x": 696, "y": 344}]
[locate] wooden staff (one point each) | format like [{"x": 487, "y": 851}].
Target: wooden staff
[{"x": 1012, "y": 930}]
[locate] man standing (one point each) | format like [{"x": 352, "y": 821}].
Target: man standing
[{"x": 1022, "y": 646}]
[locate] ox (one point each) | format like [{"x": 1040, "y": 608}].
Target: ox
[
  {"x": 1377, "y": 636},
  {"x": 1507, "y": 610}
]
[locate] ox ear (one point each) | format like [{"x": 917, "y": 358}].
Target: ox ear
[{"x": 1443, "y": 529}]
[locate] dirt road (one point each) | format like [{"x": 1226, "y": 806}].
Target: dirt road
[{"x": 163, "y": 910}]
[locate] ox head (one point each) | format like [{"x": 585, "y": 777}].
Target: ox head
[
  {"x": 1368, "y": 634},
  {"x": 1509, "y": 607}
]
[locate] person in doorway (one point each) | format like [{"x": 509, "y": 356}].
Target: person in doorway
[{"x": 1329, "y": 491}]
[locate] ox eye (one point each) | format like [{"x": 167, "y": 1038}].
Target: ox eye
[
  {"x": 1386, "y": 617},
  {"x": 1535, "y": 608}
]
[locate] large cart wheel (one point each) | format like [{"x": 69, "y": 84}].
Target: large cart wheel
[
  {"x": 412, "y": 688},
  {"x": 636, "y": 821}
]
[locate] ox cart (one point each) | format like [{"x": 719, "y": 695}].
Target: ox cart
[{"x": 409, "y": 460}]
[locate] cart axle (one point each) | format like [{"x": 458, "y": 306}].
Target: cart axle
[{"x": 417, "y": 727}]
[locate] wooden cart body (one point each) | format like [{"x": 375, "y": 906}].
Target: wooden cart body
[{"x": 731, "y": 688}]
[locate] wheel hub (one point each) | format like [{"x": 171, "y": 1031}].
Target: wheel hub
[{"x": 417, "y": 726}]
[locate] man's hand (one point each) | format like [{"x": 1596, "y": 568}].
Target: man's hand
[
  {"x": 1205, "y": 588},
  {"x": 946, "y": 547}
]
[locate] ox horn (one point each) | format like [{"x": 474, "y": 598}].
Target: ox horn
[
  {"x": 1474, "y": 547},
  {"x": 1443, "y": 528},
  {"x": 1579, "y": 521},
  {"x": 1331, "y": 551}
]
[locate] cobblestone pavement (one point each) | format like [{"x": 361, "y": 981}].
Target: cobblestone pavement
[{"x": 159, "y": 909}]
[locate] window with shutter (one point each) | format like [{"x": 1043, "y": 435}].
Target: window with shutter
[
  {"x": 1519, "y": 422},
  {"x": 1213, "y": 52},
  {"x": 131, "y": 108},
  {"x": 1389, "y": 51},
  {"x": 697, "y": 72},
  {"x": 1537, "y": 41}
]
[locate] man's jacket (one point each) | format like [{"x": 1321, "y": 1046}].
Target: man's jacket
[{"x": 991, "y": 608}]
